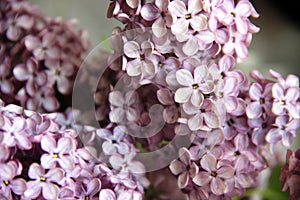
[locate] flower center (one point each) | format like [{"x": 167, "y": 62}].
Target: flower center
[
  {"x": 57, "y": 73},
  {"x": 55, "y": 155},
  {"x": 230, "y": 122},
  {"x": 125, "y": 107},
  {"x": 188, "y": 16},
  {"x": 86, "y": 198},
  {"x": 214, "y": 174},
  {"x": 283, "y": 102},
  {"x": 261, "y": 100},
  {"x": 43, "y": 179},
  {"x": 195, "y": 86},
  {"x": 124, "y": 165},
  {"x": 237, "y": 153},
  {"x": 142, "y": 57},
  {"x": 6, "y": 182},
  {"x": 222, "y": 75}
]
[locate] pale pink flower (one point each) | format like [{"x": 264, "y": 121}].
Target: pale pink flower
[
  {"x": 185, "y": 16},
  {"x": 122, "y": 109},
  {"x": 193, "y": 86},
  {"x": 43, "y": 182},
  {"x": 57, "y": 152},
  {"x": 215, "y": 174},
  {"x": 184, "y": 168}
]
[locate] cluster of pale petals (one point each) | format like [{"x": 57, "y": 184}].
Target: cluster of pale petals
[
  {"x": 290, "y": 177},
  {"x": 186, "y": 51},
  {"x": 39, "y": 56},
  {"x": 42, "y": 157}
]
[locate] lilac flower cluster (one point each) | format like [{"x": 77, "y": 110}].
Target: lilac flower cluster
[
  {"x": 290, "y": 173},
  {"x": 182, "y": 55},
  {"x": 42, "y": 158},
  {"x": 39, "y": 57}
]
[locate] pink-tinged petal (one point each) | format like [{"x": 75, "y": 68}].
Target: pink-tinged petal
[
  {"x": 181, "y": 26},
  {"x": 287, "y": 139},
  {"x": 136, "y": 167},
  {"x": 292, "y": 94},
  {"x": 225, "y": 172},
  {"x": 198, "y": 22},
  {"x": 177, "y": 167},
  {"x": 33, "y": 189},
  {"x": 25, "y": 21},
  {"x": 64, "y": 85},
  {"x": 65, "y": 145},
  {"x": 50, "y": 191},
  {"x": 194, "y": 6},
  {"x": 20, "y": 72},
  {"x": 23, "y": 141},
  {"x": 231, "y": 103},
  {"x": 254, "y": 110},
  {"x": 184, "y": 77},
  {"x": 159, "y": 27},
  {"x": 66, "y": 162},
  {"x": 150, "y": 12},
  {"x": 32, "y": 43},
  {"x": 55, "y": 175},
  {"x": 228, "y": 47},
  {"x": 206, "y": 36},
  {"x": 132, "y": 49},
  {"x": 13, "y": 33},
  {"x": 116, "y": 161},
  {"x": 245, "y": 180},
  {"x": 278, "y": 91},
  {"x": 133, "y": 3},
  {"x": 50, "y": 104},
  {"x": 131, "y": 114},
  {"x": 190, "y": 47},
  {"x": 18, "y": 186},
  {"x": 209, "y": 163},
  {"x": 184, "y": 156},
  {"x": 241, "y": 25},
  {"x": 217, "y": 186},
  {"x": 196, "y": 122},
  {"x": 48, "y": 143},
  {"x": 255, "y": 91},
  {"x": 273, "y": 136},
  {"x": 221, "y": 36},
  {"x": 93, "y": 186},
  {"x": 177, "y": 8},
  {"x": 35, "y": 171},
  {"x": 162, "y": 4},
  {"x": 294, "y": 111},
  {"x": 107, "y": 194},
  {"x": 182, "y": 95},
  {"x": 277, "y": 108},
  {"x": 212, "y": 120},
  {"x": 243, "y": 8},
  {"x": 202, "y": 178},
  {"x": 47, "y": 161},
  {"x": 241, "y": 142},
  {"x": 183, "y": 180},
  {"x": 134, "y": 67},
  {"x": 116, "y": 98},
  {"x": 165, "y": 96},
  {"x": 117, "y": 115},
  {"x": 108, "y": 148},
  {"x": 241, "y": 50},
  {"x": 6, "y": 172},
  {"x": 197, "y": 98}
]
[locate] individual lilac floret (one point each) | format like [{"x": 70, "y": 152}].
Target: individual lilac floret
[
  {"x": 215, "y": 173},
  {"x": 45, "y": 182},
  {"x": 184, "y": 168},
  {"x": 187, "y": 15},
  {"x": 122, "y": 109},
  {"x": 9, "y": 183}
]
